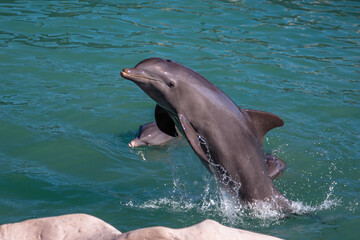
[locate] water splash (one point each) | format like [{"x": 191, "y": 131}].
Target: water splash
[
  {"x": 330, "y": 201},
  {"x": 218, "y": 204},
  {"x": 209, "y": 200}
]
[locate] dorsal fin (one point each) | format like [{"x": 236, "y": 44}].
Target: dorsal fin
[
  {"x": 263, "y": 122},
  {"x": 164, "y": 121}
]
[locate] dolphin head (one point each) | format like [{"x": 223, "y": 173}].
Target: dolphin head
[{"x": 163, "y": 80}]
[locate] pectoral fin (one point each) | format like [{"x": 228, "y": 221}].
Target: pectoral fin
[
  {"x": 164, "y": 121},
  {"x": 193, "y": 137},
  {"x": 275, "y": 166}
]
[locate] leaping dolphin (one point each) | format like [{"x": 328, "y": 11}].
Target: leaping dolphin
[{"x": 228, "y": 139}]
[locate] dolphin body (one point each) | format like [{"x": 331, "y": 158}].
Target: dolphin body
[{"x": 228, "y": 139}]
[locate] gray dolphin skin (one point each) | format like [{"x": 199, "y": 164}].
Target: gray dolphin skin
[
  {"x": 228, "y": 139},
  {"x": 149, "y": 134}
]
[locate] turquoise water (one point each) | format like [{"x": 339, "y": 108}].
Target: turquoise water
[{"x": 66, "y": 115}]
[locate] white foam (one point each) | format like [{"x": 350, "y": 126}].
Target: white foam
[
  {"x": 221, "y": 205},
  {"x": 330, "y": 201}
]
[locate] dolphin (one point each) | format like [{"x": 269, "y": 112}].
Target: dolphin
[
  {"x": 149, "y": 134},
  {"x": 227, "y": 138}
]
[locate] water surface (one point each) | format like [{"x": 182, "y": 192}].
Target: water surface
[{"x": 66, "y": 115}]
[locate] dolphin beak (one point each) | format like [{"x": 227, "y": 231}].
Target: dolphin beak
[
  {"x": 132, "y": 144},
  {"x": 125, "y": 73}
]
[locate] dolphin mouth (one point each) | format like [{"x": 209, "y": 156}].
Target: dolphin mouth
[
  {"x": 126, "y": 73},
  {"x": 129, "y": 74}
]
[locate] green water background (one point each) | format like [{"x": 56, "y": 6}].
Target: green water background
[{"x": 66, "y": 115}]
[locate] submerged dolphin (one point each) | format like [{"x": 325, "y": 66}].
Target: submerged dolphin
[
  {"x": 149, "y": 134},
  {"x": 228, "y": 139}
]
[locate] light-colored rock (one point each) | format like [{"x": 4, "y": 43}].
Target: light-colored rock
[
  {"x": 65, "y": 227},
  {"x": 83, "y": 226},
  {"x": 206, "y": 230}
]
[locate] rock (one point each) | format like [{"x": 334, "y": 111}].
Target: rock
[
  {"x": 83, "y": 226},
  {"x": 206, "y": 230},
  {"x": 66, "y": 227}
]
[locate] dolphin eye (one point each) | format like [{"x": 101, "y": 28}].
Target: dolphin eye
[
  {"x": 171, "y": 84},
  {"x": 168, "y": 60}
]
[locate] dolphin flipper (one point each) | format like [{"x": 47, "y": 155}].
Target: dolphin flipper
[
  {"x": 194, "y": 139},
  {"x": 275, "y": 166},
  {"x": 164, "y": 121}
]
